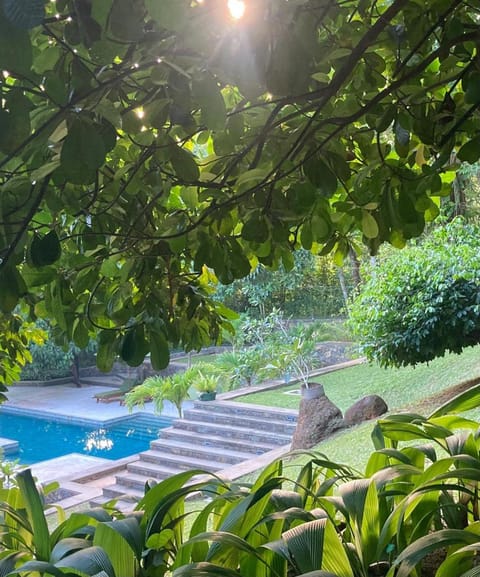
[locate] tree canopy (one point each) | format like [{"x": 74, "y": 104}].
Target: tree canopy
[{"x": 151, "y": 147}]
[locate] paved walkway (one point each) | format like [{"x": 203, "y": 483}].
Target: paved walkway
[{"x": 69, "y": 400}]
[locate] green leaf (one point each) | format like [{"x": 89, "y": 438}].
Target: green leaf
[
  {"x": 45, "y": 250},
  {"x": 24, "y": 13},
  {"x": 90, "y": 561},
  {"x": 470, "y": 151},
  {"x": 320, "y": 175},
  {"x": 159, "y": 350},
  {"x": 204, "y": 569},
  {"x": 387, "y": 118},
  {"x": 156, "y": 113},
  {"x": 36, "y": 515},
  {"x": 207, "y": 93},
  {"x": 38, "y": 277},
  {"x": 465, "y": 401},
  {"x": 107, "y": 350},
  {"x": 83, "y": 151},
  {"x": 417, "y": 551},
  {"x": 126, "y": 20},
  {"x": 15, "y": 47},
  {"x": 66, "y": 547},
  {"x": 80, "y": 333},
  {"x": 121, "y": 540},
  {"x": 12, "y": 287},
  {"x": 369, "y": 225},
  {"x": 183, "y": 164},
  {"x": 250, "y": 178},
  {"x": 472, "y": 94},
  {"x": 169, "y": 14},
  {"x": 255, "y": 229},
  {"x": 321, "y": 228},
  {"x": 134, "y": 347}
]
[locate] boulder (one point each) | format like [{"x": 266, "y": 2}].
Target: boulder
[
  {"x": 318, "y": 418},
  {"x": 369, "y": 407}
]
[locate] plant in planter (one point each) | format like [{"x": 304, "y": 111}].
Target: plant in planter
[{"x": 207, "y": 386}]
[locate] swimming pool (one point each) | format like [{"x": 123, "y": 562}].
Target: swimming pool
[{"x": 43, "y": 437}]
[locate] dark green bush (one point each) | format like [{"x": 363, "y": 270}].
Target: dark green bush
[
  {"x": 423, "y": 301},
  {"x": 51, "y": 361}
]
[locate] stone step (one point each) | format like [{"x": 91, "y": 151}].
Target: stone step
[
  {"x": 128, "y": 481},
  {"x": 164, "y": 447},
  {"x": 178, "y": 462},
  {"x": 123, "y": 502},
  {"x": 174, "y": 434},
  {"x": 247, "y": 410},
  {"x": 275, "y": 439},
  {"x": 250, "y": 422},
  {"x": 134, "y": 489}
]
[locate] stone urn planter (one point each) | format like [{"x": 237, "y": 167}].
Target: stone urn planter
[
  {"x": 208, "y": 396},
  {"x": 318, "y": 418}
]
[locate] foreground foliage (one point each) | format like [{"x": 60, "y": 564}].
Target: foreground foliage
[
  {"x": 424, "y": 301},
  {"x": 329, "y": 520},
  {"x": 149, "y": 148}
]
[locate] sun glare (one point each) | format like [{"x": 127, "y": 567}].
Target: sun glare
[{"x": 236, "y": 8}]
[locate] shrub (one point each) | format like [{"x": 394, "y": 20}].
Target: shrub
[
  {"x": 423, "y": 301},
  {"x": 50, "y": 361}
]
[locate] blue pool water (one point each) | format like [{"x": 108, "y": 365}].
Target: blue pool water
[{"x": 45, "y": 438}]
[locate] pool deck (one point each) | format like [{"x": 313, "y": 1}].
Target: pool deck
[
  {"x": 82, "y": 475},
  {"x": 72, "y": 401}
]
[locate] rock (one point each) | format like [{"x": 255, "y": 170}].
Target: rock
[
  {"x": 318, "y": 418},
  {"x": 367, "y": 408}
]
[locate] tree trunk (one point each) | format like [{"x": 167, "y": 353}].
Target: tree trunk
[
  {"x": 357, "y": 279},
  {"x": 343, "y": 285}
]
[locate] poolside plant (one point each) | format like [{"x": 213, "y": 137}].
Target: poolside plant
[{"x": 173, "y": 388}]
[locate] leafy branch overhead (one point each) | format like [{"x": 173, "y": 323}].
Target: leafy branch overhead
[{"x": 151, "y": 147}]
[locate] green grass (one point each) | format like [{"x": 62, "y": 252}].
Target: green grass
[{"x": 400, "y": 388}]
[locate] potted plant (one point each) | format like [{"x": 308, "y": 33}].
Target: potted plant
[{"x": 207, "y": 385}]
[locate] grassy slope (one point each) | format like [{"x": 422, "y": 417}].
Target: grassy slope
[
  {"x": 402, "y": 389},
  {"x": 399, "y": 388}
]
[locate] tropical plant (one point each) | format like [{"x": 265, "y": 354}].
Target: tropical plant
[
  {"x": 324, "y": 520},
  {"x": 87, "y": 543},
  {"x": 424, "y": 301},
  {"x": 172, "y": 388},
  {"x": 206, "y": 383},
  {"x": 243, "y": 366},
  {"x": 151, "y": 148},
  {"x": 16, "y": 340},
  {"x": 310, "y": 289}
]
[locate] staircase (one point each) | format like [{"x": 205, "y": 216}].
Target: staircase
[{"x": 212, "y": 436}]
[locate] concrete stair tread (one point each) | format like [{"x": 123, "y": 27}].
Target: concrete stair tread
[
  {"x": 184, "y": 462},
  {"x": 251, "y": 421},
  {"x": 127, "y": 483},
  {"x": 124, "y": 492},
  {"x": 208, "y": 439},
  {"x": 227, "y": 429},
  {"x": 162, "y": 447},
  {"x": 229, "y": 434},
  {"x": 234, "y": 408}
]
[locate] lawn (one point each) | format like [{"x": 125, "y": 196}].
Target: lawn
[
  {"x": 400, "y": 388},
  {"x": 414, "y": 389}
]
